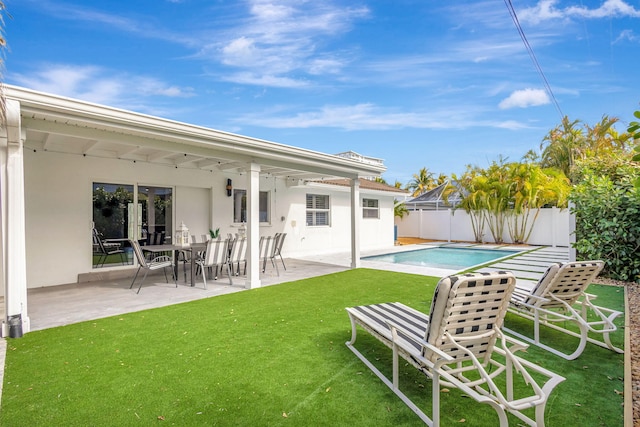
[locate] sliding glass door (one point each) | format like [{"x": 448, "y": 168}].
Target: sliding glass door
[
  {"x": 156, "y": 213},
  {"x": 119, "y": 216},
  {"x": 112, "y": 223}
]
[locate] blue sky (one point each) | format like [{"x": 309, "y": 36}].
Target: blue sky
[{"x": 436, "y": 84}]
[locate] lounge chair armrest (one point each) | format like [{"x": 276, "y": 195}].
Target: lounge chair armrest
[
  {"x": 425, "y": 345},
  {"x": 162, "y": 258},
  {"x": 524, "y": 295},
  {"x": 516, "y": 345}
]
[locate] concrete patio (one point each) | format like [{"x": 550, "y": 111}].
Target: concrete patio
[{"x": 77, "y": 302}]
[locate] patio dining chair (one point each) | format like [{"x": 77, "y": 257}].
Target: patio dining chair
[
  {"x": 103, "y": 250},
  {"x": 238, "y": 255},
  {"x": 160, "y": 262},
  {"x": 266, "y": 248},
  {"x": 277, "y": 248},
  {"x": 558, "y": 300},
  {"x": 216, "y": 256},
  {"x": 459, "y": 344}
]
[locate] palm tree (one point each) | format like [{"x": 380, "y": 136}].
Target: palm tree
[
  {"x": 559, "y": 146},
  {"x": 531, "y": 189},
  {"x": 400, "y": 209},
  {"x": 572, "y": 142},
  {"x": 380, "y": 179},
  {"x": 469, "y": 185},
  {"x": 422, "y": 181}
]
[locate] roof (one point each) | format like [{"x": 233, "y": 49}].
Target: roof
[
  {"x": 59, "y": 124},
  {"x": 434, "y": 196},
  {"x": 365, "y": 184}
]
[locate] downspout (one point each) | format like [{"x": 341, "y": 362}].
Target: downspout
[{"x": 355, "y": 223}]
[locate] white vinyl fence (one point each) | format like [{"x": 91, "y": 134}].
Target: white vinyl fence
[{"x": 552, "y": 227}]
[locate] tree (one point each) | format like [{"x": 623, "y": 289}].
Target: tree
[
  {"x": 473, "y": 201},
  {"x": 495, "y": 188},
  {"x": 400, "y": 209},
  {"x": 574, "y": 141},
  {"x": 532, "y": 188},
  {"x": 634, "y": 131},
  {"x": 422, "y": 181},
  {"x": 510, "y": 194},
  {"x": 380, "y": 179}
]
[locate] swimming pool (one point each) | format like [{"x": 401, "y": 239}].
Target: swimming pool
[{"x": 449, "y": 258}]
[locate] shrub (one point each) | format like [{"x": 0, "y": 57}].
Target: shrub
[{"x": 607, "y": 225}]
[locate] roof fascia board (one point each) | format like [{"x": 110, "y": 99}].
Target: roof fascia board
[
  {"x": 130, "y": 123},
  {"x": 346, "y": 189}
]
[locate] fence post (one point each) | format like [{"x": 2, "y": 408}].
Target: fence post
[{"x": 572, "y": 232}]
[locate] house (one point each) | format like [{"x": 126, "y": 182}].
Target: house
[
  {"x": 435, "y": 199},
  {"x": 69, "y": 167}
]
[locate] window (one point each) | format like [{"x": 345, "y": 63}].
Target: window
[
  {"x": 317, "y": 209},
  {"x": 370, "y": 208},
  {"x": 240, "y": 206}
]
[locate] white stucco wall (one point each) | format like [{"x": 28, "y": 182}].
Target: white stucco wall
[{"x": 59, "y": 211}]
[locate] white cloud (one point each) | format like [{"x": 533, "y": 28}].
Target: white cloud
[
  {"x": 258, "y": 79},
  {"x": 285, "y": 37},
  {"x": 368, "y": 116},
  {"x": 627, "y": 35},
  {"x": 96, "y": 84},
  {"x": 525, "y": 98},
  {"x": 610, "y": 8},
  {"x": 547, "y": 10}
]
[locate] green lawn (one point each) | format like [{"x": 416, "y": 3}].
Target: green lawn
[{"x": 269, "y": 356}]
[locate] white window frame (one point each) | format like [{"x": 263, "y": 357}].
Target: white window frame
[
  {"x": 264, "y": 214},
  {"x": 312, "y": 210},
  {"x": 370, "y": 209}
]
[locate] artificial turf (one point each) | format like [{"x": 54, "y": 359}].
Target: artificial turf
[{"x": 263, "y": 357}]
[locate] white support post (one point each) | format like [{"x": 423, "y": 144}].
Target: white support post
[
  {"x": 355, "y": 223},
  {"x": 12, "y": 218},
  {"x": 253, "y": 226}
]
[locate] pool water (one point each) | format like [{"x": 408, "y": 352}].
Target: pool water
[{"x": 449, "y": 258}]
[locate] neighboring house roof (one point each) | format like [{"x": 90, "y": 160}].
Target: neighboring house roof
[
  {"x": 434, "y": 199},
  {"x": 365, "y": 184},
  {"x": 58, "y": 124}
]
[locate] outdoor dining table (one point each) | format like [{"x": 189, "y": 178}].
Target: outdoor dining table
[{"x": 193, "y": 248}]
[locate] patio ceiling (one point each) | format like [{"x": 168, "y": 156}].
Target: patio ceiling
[{"x": 63, "y": 125}]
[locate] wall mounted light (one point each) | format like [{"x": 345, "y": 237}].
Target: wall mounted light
[{"x": 229, "y": 187}]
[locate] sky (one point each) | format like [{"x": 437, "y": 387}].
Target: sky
[{"x": 417, "y": 83}]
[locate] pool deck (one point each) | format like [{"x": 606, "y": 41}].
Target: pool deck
[{"x": 528, "y": 265}]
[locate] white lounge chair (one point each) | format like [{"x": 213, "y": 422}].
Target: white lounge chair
[
  {"x": 559, "y": 297},
  {"x": 455, "y": 346}
]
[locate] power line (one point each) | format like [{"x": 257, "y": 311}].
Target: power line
[{"x": 547, "y": 86}]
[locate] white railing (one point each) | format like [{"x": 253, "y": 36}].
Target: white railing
[{"x": 551, "y": 228}]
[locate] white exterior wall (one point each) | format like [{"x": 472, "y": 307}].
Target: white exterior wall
[
  {"x": 551, "y": 228},
  {"x": 290, "y": 204},
  {"x": 58, "y": 203}
]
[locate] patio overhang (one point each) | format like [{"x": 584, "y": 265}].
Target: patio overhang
[
  {"x": 43, "y": 122},
  {"x": 58, "y": 124}
]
